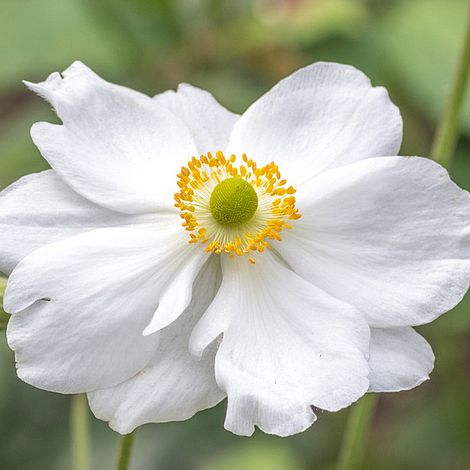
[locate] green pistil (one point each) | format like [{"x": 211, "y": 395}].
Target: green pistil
[{"x": 233, "y": 202}]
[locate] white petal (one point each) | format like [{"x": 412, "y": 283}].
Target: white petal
[
  {"x": 173, "y": 386},
  {"x": 79, "y": 306},
  {"x": 400, "y": 359},
  {"x": 323, "y": 116},
  {"x": 209, "y": 122},
  {"x": 177, "y": 295},
  {"x": 286, "y": 346},
  {"x": 388, "y": 235},
  {"x": 39, "y": 209},
  {"x": 117, "y": 147}
]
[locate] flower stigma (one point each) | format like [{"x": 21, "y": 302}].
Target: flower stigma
[
  {"x": 234, "y": 209},
  {"x": 233, "y": 202}
]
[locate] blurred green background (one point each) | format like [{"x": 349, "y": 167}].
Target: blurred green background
[{"x": 238, "y": 49}]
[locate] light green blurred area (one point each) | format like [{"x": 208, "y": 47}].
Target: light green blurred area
[{"x": 237, "y": 50}]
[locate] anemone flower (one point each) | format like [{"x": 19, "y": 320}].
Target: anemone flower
[{"x": 177, "y": 253}]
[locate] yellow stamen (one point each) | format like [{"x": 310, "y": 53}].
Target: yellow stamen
[{"x": 275, "y": 207}]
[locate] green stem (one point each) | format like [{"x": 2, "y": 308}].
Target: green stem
[
  {"x": 447, "y": 132},
  {"x": 125, "y": 451},
  {"x": 353, "y": 446},
  {"x": 79, "y": 429}
]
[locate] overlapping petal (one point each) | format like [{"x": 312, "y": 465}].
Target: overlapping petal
[
  {"x": 173, "y": 386},
  {"x": 390, "y": 236},
  {"x": 39, "y": 209},
  {"x": 116, "y": 146},
  {"x": 80, "y": 305},
  {"x": 209, "y": 122},
  {"x": 323, "y": 116},
  {"x": 286, "y": 346},
  {"x": 400, "y": 359}
]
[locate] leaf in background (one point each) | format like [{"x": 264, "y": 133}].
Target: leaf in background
[
  {"x": 419, "y": 42},
  {"x": 46, "y": 35},
  {"x": 261, "y": 456},
  {"x": 18, "y": 155},
  {"x": 303, "y": 23}
]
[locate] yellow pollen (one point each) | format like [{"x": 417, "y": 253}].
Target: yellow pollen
[{"x": 234, "y": 209}]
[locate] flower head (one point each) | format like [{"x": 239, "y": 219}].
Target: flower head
[{"x": 177, "y": 254}]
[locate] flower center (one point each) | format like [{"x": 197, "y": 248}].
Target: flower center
[
  {"x": 233, "y": 202},
  {"x": 234, "y": 209}
]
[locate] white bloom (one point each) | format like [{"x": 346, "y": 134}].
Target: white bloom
[{"x": 279, "y": 301}]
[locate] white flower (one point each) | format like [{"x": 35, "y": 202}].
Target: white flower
[{"x": 303, "y": 263}]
